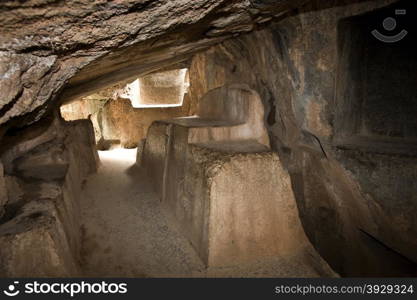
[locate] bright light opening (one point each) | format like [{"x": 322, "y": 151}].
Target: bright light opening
[
  {"x": 163, "y": 89},
  {"x": 119, "y": 155}
]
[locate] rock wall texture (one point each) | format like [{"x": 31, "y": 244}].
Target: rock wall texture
[
  {"x": 39, "y": 230},
  {"x": 128, "y": 125},
  {"x": 352, "y": 170},
  {"x": 117, "y": 122},
  {"x": 159, "y": 88},
  {"x": 221, "y": 186},
  {"x": 358, "y": 207},
  {"x": 82, "y": 46}
]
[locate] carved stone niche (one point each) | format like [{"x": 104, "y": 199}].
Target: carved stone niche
[{"x": 376, "y": 95}]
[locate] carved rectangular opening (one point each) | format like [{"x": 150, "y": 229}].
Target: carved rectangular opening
[{"x": 376, "y": 98}]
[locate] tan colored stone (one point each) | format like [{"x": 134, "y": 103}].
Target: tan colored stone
[
  {"x": 86, "y": 45},
  {"x": 230, "y": 113},
  {"x": 222, "y": 187},
  {"x": 241, "y": 110},
  {"x": 251, "y": 213},
  {"x": 40, "y": 235},
  {"x": 116, "y": 122},
  {"x": 162, "y": 88},
  {"x": 46, "y": 162},
  {"x": 41, "y": 133},
  {"x": 34, "y": 244}
]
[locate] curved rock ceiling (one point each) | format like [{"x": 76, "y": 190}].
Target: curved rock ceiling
[{"x": 46, "y": 45}]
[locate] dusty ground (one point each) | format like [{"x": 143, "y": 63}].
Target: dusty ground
[{"x": 125, "y": 233}]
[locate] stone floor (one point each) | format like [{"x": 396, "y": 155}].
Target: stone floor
[{"x": 125, "y": 234}]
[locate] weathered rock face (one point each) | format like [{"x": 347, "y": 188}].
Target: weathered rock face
[
  {"x": 120, "y": 122},
  {"x": 39, "y": 230},
  {"x": 356, "y": 224},
  {"x": 348, "y": 145},
  {"x": 223, "y": 188},
  {"x": 162, "y": 88},
  {"x": 117, "y": 122},
  {"x": 36, "y": 244},
  {"x": 84, "y": 45}
]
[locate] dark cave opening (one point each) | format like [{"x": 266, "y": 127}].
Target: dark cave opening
[{"x": 376, "y": 97}]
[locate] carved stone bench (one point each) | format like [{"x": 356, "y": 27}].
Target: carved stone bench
[{"x": 220, "y": 184}]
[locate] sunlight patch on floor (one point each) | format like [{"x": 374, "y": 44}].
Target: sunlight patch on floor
[{"x": 120, "y": 154}]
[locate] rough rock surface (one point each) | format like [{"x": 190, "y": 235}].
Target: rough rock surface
[
  {"x": 84, "y": 44},
  {"x": 233, "y": 186},
  {"x": 356, "y": 224},
  {"x": 44, "y": 163},
  {"x": 34, "y": 243},
  {"x": 152, "y": 247},
  {"x": 162, "y": 88},
  {"x": 223, "y": 188},
  {"x": 40, "y": 230},
  {"x": 116, "y": 122},
  {"x": 128, "y": 125},
  {"x": 53, "y": 52},
  {"x": 226, "y": 114}
]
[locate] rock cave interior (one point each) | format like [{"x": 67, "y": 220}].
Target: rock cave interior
[{"x": 212, "y": 138}]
